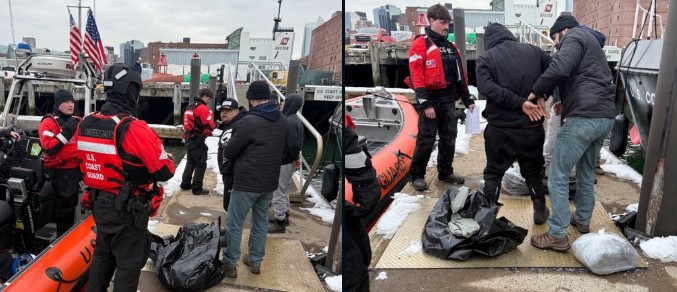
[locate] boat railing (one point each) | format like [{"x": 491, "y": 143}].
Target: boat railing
[
  {"x": 308, "y": 125},
  {"x": 84, "y": 77},
  {"x": 652, "y": 17},
  {"x": 533, "y": 36}
]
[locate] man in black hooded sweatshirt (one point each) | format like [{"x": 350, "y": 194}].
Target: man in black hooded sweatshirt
[
  {"x": 505, "y": 74},
  {"x": 230, "y": 113},
  {"x": 290, "y": 162}
]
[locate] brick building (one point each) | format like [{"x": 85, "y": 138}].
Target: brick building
[
  {"x": 326, "y": 50},
  {"x": 615, "y": 18}
]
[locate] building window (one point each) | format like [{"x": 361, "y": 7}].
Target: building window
[{"x": 262, "y": 58}]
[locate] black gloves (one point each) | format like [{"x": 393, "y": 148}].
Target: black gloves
[{"x": 68, "y": 128}]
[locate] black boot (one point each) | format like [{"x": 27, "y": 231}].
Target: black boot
[
  {"x": 420, "y": 184},
  {"x": 541, "y": 212},
  {"x": 277, "y": 227}
]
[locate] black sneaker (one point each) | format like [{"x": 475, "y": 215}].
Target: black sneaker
[
  {"x": 185, "y": 187},
  {"x": 200, "y": 192},
  {"x": 277, "y": 227},
  {"x": 452, "y": 178},
  {"x": 420, "y": 184}
]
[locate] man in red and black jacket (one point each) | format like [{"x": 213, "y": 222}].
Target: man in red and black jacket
[
  {"x": 198, "y": 124},
  {"x": 438, "y": 80},
  {"x": 122, "y": 161},
  {"x": 61, "y": 163}
]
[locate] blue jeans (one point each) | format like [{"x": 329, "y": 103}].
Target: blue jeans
[
  {"x": 578, "y": 144},
  {"x": 240, "y": 204}
]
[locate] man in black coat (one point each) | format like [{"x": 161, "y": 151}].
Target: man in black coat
[
  {"x": 587, "y": 110},
  {"x": 256, "y": 148},
  {"x": 505, "y": 74},
  {"x": 366, "y": 192},
  {"x": 290, "y": 162},
  {"x": 230, "y": 113}
]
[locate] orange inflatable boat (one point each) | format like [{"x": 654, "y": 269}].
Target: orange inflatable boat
[
  {"x": 63, "y": 266},
  {"x": 389, "y": 125}
]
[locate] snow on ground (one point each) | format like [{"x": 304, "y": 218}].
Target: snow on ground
[
  {"x": 382, "y": 276},
  {"x": 462, "y": 139},
  {"x": 327, "y": 215},
  {"x": 414, "y": 248},
  {"x": 390, "y": 221},
  {"x": 334, "y": 283},
  {"x": 661, "y": 248},
  {"x": 614, "y": 165},
  {"x": 632, "y": 207}
]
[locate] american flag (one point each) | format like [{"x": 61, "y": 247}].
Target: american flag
[
  {"x": 93, "y": 44},
  {"x": 75, "y": 42}
]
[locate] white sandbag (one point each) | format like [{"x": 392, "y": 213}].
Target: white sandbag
[
  {"x": 513, "y": 183},
  {"x": 604, "y": 253}
]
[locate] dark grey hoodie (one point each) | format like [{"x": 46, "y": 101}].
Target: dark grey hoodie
[
  {"x": 293, "y": 104},
  {"x": 505, "y": 74}
]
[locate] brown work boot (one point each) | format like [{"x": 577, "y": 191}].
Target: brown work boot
[
  {"x": 545, "y": 241},
  {"x": 582, "y": 228},
  {"x": 231, "y": 272},
  {"x": 541, "y": 212},
  {"x": 253, "y": 269}
]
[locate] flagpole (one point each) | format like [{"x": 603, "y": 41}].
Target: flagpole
[
  {"x": 11, "y": 21},
  {"x": 80, "y": 15}
]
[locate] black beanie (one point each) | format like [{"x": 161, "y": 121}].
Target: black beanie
[
  {"x": 61, "y": 96},
  {"x": 258, "y": 90},
  {"x": 563, "y": 22}
]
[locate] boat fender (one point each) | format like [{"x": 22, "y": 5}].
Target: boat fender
[{"x": 619, "y": 135}]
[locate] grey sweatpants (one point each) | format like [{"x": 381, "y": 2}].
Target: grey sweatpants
[{"x": 280, "y": 196}]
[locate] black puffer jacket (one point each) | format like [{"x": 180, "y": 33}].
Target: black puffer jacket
[
  {"x": 582, "y": 65},
  {"x": 256, "y": 147},
  {"x": 505, "y": 74},
  {"x": 292, "y": 104}
]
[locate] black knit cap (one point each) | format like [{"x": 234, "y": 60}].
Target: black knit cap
[
  {"x": 62, "y": 96},
  {"x": 563, "y": 22},
  {"x": 258, "y": 90}
]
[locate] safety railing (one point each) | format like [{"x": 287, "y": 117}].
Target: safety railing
[
  {"x": 531, "y": 35},
  {"x": 652, "y": 17},
  {"x": 313, "y": 131}
]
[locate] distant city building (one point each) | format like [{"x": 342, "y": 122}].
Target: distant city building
[
  {"x": 363, "y": 23},
  {"x": 307, "y": 35},
  {"x": 614, "y": 18},
  {"x": 326, "y": 51},
  {"x": 411, "y": 16},
  {"x": 129, "y": 51},
  {"x": 350, "y": 19},
  {"x": 383, "y": 16}
]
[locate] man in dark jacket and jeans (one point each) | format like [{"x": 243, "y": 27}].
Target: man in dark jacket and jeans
[
  {"x": 438, "y": 80},
  {"x": 505, "y": 74},
  {"x": 587, "y": 111},
  {"x": 256, "y": 148},
  {"x": 290, "y": 162},
  {"x": 230, "y": 113}
]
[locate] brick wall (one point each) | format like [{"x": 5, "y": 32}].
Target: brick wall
[
  {"x": 326, "y": 49},
  {"x": 614, "y": 18}
]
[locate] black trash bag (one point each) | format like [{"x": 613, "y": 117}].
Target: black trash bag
[
  {"x": 189, "y": 261},
  {"x": 495, "y": 237}
]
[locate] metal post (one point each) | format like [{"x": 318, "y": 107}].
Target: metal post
[
  {"x": 333, "y": 261},
  {"x": 176, "y": 98},
  {"x": 16, "y": 46},
  {"x": 195, "y": 64},
  {"x": 293, "y": 76},
  {"x": 375, "y": 64},
  {"x": 459, "y": 32},
  {"x": 656, "y": 215},
  {"x": 2, "y": 91},
  {"x": 31, "y": 98},
  {"x": 212, "y": 87}
]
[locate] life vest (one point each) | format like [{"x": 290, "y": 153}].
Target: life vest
[
  {"x": 67, "y": 156},
  {"x": 192, "y": 126},
  {"x": 433, "y": 71},
  {"x": 104, "y": 165}
]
